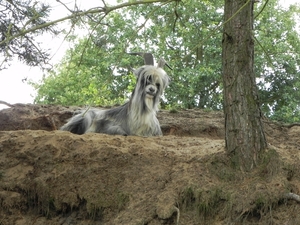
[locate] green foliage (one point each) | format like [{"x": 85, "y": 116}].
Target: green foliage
[
  {"x": 278, "y": 62},
  {"x": 90, "y": 80},
  {"x": 185, "y": 36},
  {"x": 97, "y": 70}
]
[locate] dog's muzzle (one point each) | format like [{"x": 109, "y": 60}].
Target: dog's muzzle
[{"x": 151, "y": 92}]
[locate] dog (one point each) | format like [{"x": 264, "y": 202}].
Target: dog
[{"x": 135, "y": 117}]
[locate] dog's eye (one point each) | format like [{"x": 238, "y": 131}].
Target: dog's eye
[
  {"x": 157, "y": 85},
  {"x": 149, "y": 80}
]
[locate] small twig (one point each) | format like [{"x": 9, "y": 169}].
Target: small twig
[
  {"x": 86, "y": 111},
  {"x": 72, "y": 11},
  {"x": 178, "y": 215},
  {"x": 5, "y": 103},
  {"x": 262, "y": 9},
  {"x": 104, "y": 3},
  {"x": 292, "y": 196}
]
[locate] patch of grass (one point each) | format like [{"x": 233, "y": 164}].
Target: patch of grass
[
  {"x": 173, "y": 110},
  {"x": 225, "y": 173},
  {"x": 207, "y": 203},
  {"x": 221, "y": 166},
  {"x": 122, "y": 200},
  {"x": 115, "y": 201},
  {"x": 49, "y": 207},
  {"x": 291, "y": 170},
  {"x": 188, "y": 197},
  {"x": 95, "y": 212},
  {"x": 262, "y": 208},
  {"x": 269, "y": 163},
  {"x": 207, "y": 110},
  {"x": 40, "y": 201},
  {"x": 261, "y": 202}
]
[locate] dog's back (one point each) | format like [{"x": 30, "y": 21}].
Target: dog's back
[
  {"x": 110, "y": 121},
  {"x": 80, "y": 123},
  {"x": 115, "y": 121}
]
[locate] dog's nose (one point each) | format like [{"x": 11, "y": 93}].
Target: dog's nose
[{"x": 151, "y": 89}]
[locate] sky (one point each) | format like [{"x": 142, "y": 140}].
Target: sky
[{"x": 13, "y": 88}]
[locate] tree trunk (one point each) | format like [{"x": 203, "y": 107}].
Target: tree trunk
[{"x": 244, "y": 135}]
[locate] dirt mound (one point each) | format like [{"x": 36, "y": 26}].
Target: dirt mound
[{"x": 54, "y": 177}]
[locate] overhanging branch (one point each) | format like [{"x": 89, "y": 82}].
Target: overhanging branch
[{"x": 101, "y": 10}]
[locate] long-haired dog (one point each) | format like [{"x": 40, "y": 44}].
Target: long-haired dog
[{"x": 138, "y": 115}]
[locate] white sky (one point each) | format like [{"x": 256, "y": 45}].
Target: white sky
[{"x": 13, "y": 90}]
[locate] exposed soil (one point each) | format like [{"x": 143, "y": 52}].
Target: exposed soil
[{"x": 49, "y": 176}]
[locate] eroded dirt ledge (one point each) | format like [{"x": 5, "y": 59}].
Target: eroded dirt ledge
[{"x": 54, "y": 177}]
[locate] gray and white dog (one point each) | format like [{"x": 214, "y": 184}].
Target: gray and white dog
[{"x": 138, "y": 115}]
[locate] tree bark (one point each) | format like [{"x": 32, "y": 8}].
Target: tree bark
[{"x": 244, "y": 134}]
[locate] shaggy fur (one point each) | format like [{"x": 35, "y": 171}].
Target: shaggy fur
[{"x": 136, "y": 117}]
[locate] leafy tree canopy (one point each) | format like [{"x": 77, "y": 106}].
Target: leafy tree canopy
[
  {"x": 175, "y": 32},
  {"x": 278, "y": 62}
]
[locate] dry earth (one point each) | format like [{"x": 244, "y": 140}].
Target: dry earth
[{"x": 54, "y": 177}]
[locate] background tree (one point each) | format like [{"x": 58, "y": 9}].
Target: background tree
[
  {"x": 172, "y": 32},
  {"x": 84, "y": 78},
  {"x": 244, "y": 134},
  {"x": 277, "y": 61}
]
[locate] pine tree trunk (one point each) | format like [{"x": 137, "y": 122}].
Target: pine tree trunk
[{"x": 244, "y": 135}]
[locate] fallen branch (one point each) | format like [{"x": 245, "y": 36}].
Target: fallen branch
[
  {"x": 5, "y": 103},
  {"x": 286, "y": 125},
  {"x": 291, "y": 125},
  {"x": 292, "y": 196}
]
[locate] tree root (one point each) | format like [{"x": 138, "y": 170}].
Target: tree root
[{"x": 282, "y": 125}]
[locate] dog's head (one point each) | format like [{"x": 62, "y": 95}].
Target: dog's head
[{"x": 151, "y": 82}]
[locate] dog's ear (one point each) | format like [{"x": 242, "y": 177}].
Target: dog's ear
[
  {"x": 137, "y": 71},
  {"x": 161, "y": 63},
  {"x": 166, "y": 79},
  {"x": 148, "y": 57},
  {"x": 148, "y": 60}
]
